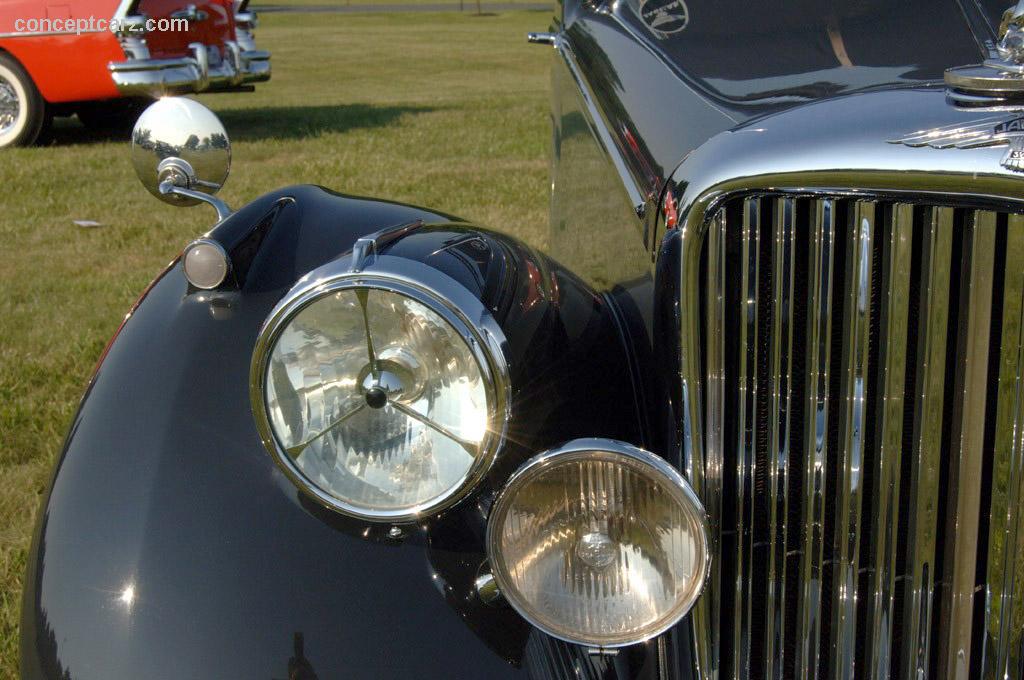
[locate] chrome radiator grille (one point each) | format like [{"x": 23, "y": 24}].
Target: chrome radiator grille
[{"x": 864, "y": 411}]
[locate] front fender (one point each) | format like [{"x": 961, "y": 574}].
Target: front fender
[{"x": 171, "y": 546}]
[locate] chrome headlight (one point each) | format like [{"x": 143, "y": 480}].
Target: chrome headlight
[
  {"x": 382, "y": 394},
  {"x": 599, "y": 543}
]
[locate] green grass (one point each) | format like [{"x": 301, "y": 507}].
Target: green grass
[{"x": 443, "y": 110}]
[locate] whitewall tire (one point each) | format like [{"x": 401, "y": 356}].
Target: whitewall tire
[{"x": 22, "y": 109}]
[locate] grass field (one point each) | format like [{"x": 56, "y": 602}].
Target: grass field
[{"x": 448, "y": 111}]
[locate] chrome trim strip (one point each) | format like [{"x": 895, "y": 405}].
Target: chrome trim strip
[
  {"x": 143, "y": 65},
  {"x": 781, "y": 353},
  {"x": 926, "y": 456},
  {"x": 892, "y": 347},
  {"x": 746, "y": 444},
  {"x": 706, "y": 666},
  {"x": 1004, "y": 618},
  {"x": 43, "y": 34},
  {"x": 819, "y": 350},
  {"x": 715, "y": 352},
  {"x": 638, "y": 197},
  {"x": 856, "y": 337},
  {"x": 968, "y": 439}
]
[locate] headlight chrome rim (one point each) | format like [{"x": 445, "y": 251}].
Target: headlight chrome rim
[
  {"x": 441, "y": 294},
  {"x": 593, "y": 449}
]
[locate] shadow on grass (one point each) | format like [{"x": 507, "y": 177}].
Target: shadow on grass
[
  {"x": 297, "y": 122},
  {"x": 256, "y": 124}
]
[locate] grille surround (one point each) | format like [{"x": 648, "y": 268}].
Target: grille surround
[
  {"x": 838, "y": 148},
  {"x": 705, "y": 389}
]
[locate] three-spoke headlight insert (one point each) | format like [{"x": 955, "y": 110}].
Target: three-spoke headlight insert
[
  {"x": 382, "y": 394},
  {"x": 599, "y": 543}
]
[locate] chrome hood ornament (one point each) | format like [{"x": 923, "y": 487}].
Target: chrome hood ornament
[
  {"x": 991, "y": 131},
  {"x": 999, "y": 80}
]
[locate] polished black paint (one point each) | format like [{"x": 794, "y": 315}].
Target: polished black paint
[
  {"x": 661, "y": 96},
  {"x": 754, "y": 58},
  {"x": 171, "y": 546}
]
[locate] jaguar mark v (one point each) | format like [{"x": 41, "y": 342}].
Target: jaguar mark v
[{"x": 756, "y": 414}]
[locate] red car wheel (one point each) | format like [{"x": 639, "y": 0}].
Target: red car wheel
[{"x": 22, "y": 108}]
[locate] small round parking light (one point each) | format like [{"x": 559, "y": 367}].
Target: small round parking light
[{"x": 206, "y": 263}]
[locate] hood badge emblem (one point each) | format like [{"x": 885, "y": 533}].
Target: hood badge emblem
[
  {"x": 999, "y": 81},
  {"x": 991, "y": 131},
  {"x": 665, "y": 17}
]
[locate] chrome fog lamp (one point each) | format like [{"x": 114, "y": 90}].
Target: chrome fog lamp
[
  {"x": 382, "y": 393},
  {"x": 599, "y": 543}
]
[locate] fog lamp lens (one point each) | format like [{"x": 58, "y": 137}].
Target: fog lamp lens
[
  {"x": 599, "y": 543},
  {"x": 378, "y": 400}
]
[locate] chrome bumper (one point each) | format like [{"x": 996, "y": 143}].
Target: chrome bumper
[{"x": 238, "y": 67}]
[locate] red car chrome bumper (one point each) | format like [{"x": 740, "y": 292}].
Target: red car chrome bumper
[{"x": 237, "y": 68}]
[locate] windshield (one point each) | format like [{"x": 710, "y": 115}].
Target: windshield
[{"x": 749, "y": 51}]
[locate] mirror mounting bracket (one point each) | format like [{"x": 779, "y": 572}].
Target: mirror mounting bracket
[{"x": 176, "y": 177}]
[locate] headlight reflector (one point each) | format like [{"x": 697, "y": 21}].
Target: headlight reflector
[
  {"x": 599, "y": 543},
  {"x": 377, "y": 396}
]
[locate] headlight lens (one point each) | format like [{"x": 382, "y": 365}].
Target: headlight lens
[
  {"x": 599, "y": 543},
  {"x": 378, "y": 398}
]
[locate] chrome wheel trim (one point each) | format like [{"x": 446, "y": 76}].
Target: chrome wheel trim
[
  {"x": 13, "y": 106},
  {"x": 10, "y": 106}
]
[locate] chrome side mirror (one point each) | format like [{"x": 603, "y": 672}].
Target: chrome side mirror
[{"x": 181, "y": 153}]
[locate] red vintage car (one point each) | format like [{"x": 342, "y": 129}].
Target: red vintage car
[{"x": 105, "y": 59}]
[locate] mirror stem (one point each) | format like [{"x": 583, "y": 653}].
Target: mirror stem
[{"x": 222, "y": 208}]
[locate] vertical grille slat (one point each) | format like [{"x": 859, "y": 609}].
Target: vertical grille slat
[
  {"x": 863, "y": 401},
  {"x": 819, "y": 333},
  {"x": 857, "y": 320},
  {"x": 926, "y": 458},
  {"x": 968, "y": 439},
  {"x": 897, "y": 252},
  {"x": 714, "y": 350},
  {"x": 746, "y": 445},
  {"x": 781, "y": 348},
  {"x": 1004, "y": 616}
]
